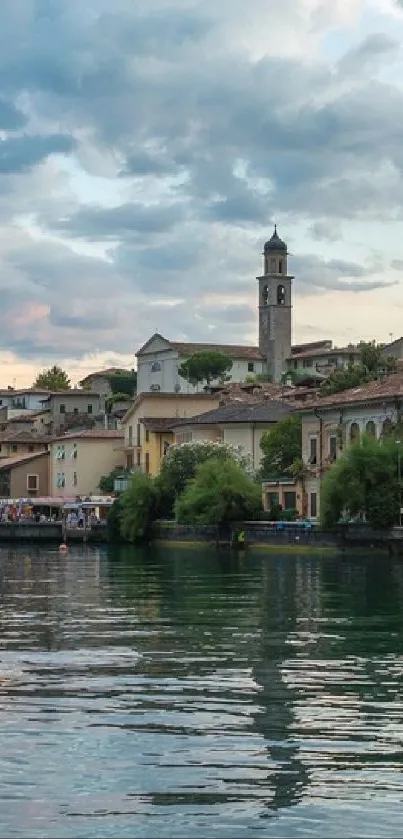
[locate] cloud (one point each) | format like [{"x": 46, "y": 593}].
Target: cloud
[{"x": 145, "y": 151}]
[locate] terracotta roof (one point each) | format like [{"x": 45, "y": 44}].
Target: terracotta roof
[
  {"x": 271, "y": 410},
  {"x": 76, "y": 391},
  {"x": 110, "y": 371},
  {"x": 389, "y": 387},
  {"x": 9, "y": 462},
  {"x": 92, "y": 434},
  {"x": 26, "y": 436},
  {"x": 158, "y": 423},
  {"x": 318, "y": 353},
  {"x": 233, "y": 350}
]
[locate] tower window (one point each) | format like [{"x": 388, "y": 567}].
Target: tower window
[
  {"x": 251, "y": 367},
  {"x": 280, "y": 295},
  {"x": 265, "y": 295},
  {"x": 280, "y": 266}
]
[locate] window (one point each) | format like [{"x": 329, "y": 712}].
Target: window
[
  {"x": 31, "y": 448},
  {"x": 272, "y": 499},
  {"x": 89, "y": 409},
  {"x": 147, "y": 463},
  {"x": 280, "y": 266},
  {"x": 265, "y": 295},
  {"x": 166, "y": 446},
  {"x": 251, "y": 367},
  {"x": 14, "y": 448},
  {"x": 280, "y": 295},
  {"x": 129, "y": 461},
  {"x": 62, "y": 409},
  {"x": 130, "y": 435},
  {"x": 332, "y": 448},
  {"x": 32, "y": 483},
  {"x": 313, "y": 505},
  {"x": 138, "y": 434},
  {"x": 370, "y": 429},
  {"x": 295, "y": 365},
  {"x": 313, "y": 450},
  {"x": 354, "y": 432},
  {"x": 155, "y": 387},
  {"x": 74, "y": 479},
  {"x": 155, "y": 367},
  {"x": 138, "y": 459},
  {"x": 75, "y": 410},
  {"x": 387, "y": 428},
  {"x": 290, "y": 500},
  {"x": 60, "y": 480},
  {"x": 74, "y": 451},
  {"x": 307, "y": 362},
  {"x": 147, "y": 436}
]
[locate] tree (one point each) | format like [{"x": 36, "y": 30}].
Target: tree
[
  {"x": 52, "y": 379},
  {"x": 123, "y": 384},
  {"x": 107, "y": 482},
  {"x": 114, "y": 520},
  {"x": 138, "y": 503},
  {"x": 180, "y": 464},
  {"x": 220, "y": 493},
  {"x": 372, "y": 363},
  {"x": 363, "y": 483},
  {"x": 205, "y": 366},
  {"x": 281, "y": 447}
]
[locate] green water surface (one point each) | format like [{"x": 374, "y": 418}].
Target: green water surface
[{"x": 182, "y": 692}]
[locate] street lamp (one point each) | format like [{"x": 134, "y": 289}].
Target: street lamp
[{"x": 399, "y": 478}]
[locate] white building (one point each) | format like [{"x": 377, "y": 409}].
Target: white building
[{"x": 158, "y": 362}]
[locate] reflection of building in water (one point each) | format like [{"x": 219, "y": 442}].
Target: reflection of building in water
[{"x": 275, "y": 720}]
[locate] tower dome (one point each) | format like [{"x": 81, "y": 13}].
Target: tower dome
[{"x": 275, "y": 243}]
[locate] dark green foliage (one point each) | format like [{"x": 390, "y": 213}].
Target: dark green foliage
[
  {"x": 205, "y": 366},
  {"x": 281, "y": 447},
  {"x": 52, "y": 379},
  {"x": 179, "y": 467},
  {"x": 372, "y": 363},
  {"x": 220, "y": 493},
  {"x": 106, "y": 483},
  {"x": 139, "y": 504},
  {"x": 114, "y": 521},
  {"x": 363, "y": 483},
  {"x": 123, "y": 384}
]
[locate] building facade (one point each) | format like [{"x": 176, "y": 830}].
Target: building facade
[
  {"x": 334, "y": 422},
  {"x": 159, "y": 360},
  {"x": 25, "y": 476},
  {"x": 80, "y": 459},
  {"x": 67, "y": 408},
  {"x": 146, "y": 428}
]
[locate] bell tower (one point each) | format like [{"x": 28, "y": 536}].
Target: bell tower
[{"x": 275, "y": 307}]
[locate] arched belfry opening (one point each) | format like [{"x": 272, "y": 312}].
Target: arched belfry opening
[{"x": 280, "y": 295}]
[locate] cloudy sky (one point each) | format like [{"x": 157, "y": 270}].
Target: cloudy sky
[{"x": 146, "y": 149}]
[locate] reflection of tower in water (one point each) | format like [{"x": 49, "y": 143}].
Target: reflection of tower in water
[{"x": 275, "y": 719}]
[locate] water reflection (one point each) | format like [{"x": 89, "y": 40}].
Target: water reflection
[{"x": 174, "y": 692}]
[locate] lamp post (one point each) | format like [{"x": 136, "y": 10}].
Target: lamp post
[{"x": 399, "y": 478}]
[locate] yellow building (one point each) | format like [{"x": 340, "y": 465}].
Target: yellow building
[
  {"x": 79, "y": 460},
  {"x": 147, "y": 424}
]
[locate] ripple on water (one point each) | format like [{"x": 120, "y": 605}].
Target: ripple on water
[{"x": 177, "y": 693}]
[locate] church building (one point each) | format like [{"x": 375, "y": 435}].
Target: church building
[{"x": 159, "y": 359}]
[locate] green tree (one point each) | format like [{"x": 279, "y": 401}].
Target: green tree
[
  {"x": 107, "y": 482},
  {"x": 52, "y": 379},
  {"x": 205, "y": 366},
  {"x": 123, "y": 384},
  {"x": 180, "y": 464},
  {"x": 220, "y": 493},
  {"x": 281, "y": 447},
  {"x": 139, "y": 505},
  {"x": 372, "y": 363},
  {"x": 363, "y": 482},
  {"x": 114, "y": 520}
]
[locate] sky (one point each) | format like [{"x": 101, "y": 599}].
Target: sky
[{"x": 148, "y": 148}]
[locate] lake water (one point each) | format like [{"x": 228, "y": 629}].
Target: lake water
[{"x": 181, "y": 692}]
